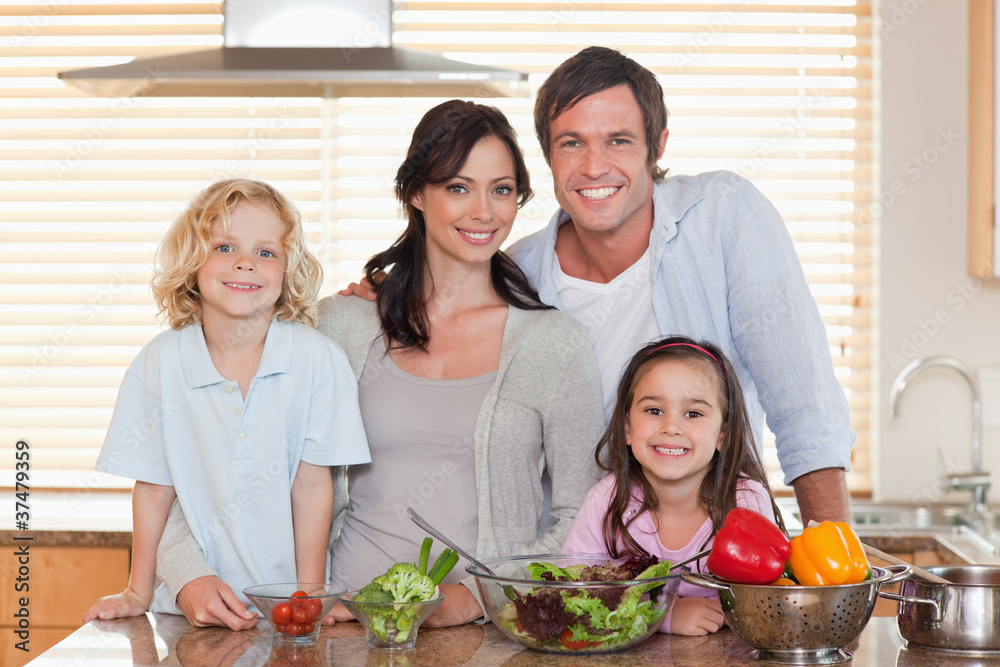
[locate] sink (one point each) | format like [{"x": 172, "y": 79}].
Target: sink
[
  {"x": 901, "y": 527},
  {"x": 895, "y": 518},
  {"x": 905, "y": 517}
]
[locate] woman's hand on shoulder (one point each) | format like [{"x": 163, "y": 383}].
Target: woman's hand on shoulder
[
  {"x": 696, "y": 616},
  {"x": 459, "y": 607}
]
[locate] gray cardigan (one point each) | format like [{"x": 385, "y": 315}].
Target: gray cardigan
[{"x": 544, "y": 411}]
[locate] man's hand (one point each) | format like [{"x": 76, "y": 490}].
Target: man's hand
[
  {"x": 207, "y": 601},
  {"x": 459, "y": 607},
  {"x": 822, "y": 496},
  {"x": 122, "y": 605},
  {"x": 696, "y": 616},
  {"x": 364, "y": 289}
]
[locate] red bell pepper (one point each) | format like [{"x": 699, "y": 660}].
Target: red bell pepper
[{"x": 749, "y": 549}]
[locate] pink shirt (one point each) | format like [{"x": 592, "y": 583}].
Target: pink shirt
[{"x": 586, "y": 536}]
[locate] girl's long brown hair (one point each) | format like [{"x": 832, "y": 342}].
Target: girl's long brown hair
[{"x": 736, "y": 460}]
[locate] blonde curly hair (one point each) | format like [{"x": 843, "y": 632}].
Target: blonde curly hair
[{"x": 187, "y": 246}]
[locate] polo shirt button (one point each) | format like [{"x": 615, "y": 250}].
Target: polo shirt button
[
  {"x": 229, "y": 388},
  {"x": 243, "y": 436},
  {"x": 237, "y": 410}
]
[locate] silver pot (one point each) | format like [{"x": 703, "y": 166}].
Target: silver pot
[{"x": 961, "y": 616}]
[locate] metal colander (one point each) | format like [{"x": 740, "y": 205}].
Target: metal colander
[{"x": 800, "y": 625}]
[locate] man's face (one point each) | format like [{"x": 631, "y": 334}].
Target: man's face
[{"x": 598, "y": 161}]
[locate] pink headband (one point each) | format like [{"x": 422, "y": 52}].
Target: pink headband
[{"x": 697, "y": 347}]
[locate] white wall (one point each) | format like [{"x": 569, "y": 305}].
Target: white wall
[{"x": 924, "y": 79}]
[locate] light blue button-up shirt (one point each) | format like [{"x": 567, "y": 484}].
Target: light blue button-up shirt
[
  {"x": 725, "y": 270},
  {"x": 232, "y": 459}
]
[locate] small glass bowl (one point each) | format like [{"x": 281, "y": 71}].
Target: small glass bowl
[
  {"x": 294, "y": 619},
  {"x": 388, "y": 625}
]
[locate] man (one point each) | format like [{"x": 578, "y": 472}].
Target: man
[{"x": 634, "y": 257}]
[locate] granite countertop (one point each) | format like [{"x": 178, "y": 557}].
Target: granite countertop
[{"x": 162, "y": 639}]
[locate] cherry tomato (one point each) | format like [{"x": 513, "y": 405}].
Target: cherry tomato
[
  {"x": 295, "y": 629},
  {"x": 281, "y": 613},
  {"x": 520, "y": 628},
  {"x": 314, "y": 607},
  {"x": 566, "y": 639},
  {"x": 300, "y": 615},
  {"x": 300, "y": 594},
  {"x": 280, "y": 627},
  {"x": 295, "y": 603},
  {"x": 308, "y": 627}
]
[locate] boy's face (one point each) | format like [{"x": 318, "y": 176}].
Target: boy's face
[
  {"x": 598, "y": 160},
  {"x": 244, "y": 276}
]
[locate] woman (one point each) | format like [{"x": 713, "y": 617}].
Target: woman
[{"x": 470, "y": 388}]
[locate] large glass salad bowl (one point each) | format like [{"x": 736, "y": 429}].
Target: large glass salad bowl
[{"x": 572, "y": 603}]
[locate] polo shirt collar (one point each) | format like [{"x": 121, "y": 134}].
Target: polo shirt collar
[{"x": 196, "y": 362}]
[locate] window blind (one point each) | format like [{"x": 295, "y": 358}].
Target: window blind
[{"x": 779, "y": 92}]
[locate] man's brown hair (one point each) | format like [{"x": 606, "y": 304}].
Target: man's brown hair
[{"x": 590, "y": 71}]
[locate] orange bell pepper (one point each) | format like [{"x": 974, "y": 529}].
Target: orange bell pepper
[{"x": 829, "y": 553}]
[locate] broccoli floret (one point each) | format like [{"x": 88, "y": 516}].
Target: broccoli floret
[
  {"x": 405, "y": 583},
  {"x": 373, "y": 593}
]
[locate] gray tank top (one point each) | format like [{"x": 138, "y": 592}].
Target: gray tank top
[{"x": 420, "y": 433}]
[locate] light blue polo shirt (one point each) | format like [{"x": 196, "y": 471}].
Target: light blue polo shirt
[{"x": 232, "y": 460}]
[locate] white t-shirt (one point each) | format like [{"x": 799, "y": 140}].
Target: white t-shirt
[
  {"x": 618, "y": 317},
  {"x": 178, "y": 422}
]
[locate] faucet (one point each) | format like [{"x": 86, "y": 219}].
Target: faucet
[{"x": 976, "y": 481}]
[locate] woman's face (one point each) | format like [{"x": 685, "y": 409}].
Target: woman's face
[{"x": 470, "y": 215}]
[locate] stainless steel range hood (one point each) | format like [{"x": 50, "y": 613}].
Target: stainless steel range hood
[{"x": 296, "y": 48}]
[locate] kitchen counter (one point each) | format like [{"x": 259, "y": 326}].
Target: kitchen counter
[{"x": 162, "y": 639}]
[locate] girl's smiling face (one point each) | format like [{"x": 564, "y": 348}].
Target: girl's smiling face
[{"x": 674, "y": 426}]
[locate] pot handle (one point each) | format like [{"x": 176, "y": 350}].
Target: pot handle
[
  {"x": 936, "y": 616},
  {"x": 703, "y": 581},
  {"x": 899, "y": 572}
]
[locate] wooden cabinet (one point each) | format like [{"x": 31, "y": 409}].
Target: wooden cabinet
[
  {"x": 983, "y": 262},
  {"x": 64, "y": 582}
]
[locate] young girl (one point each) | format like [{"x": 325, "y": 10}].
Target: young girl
[
  {"x": 681, "y": 454},
  {"x": 239, "y": 408}
]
